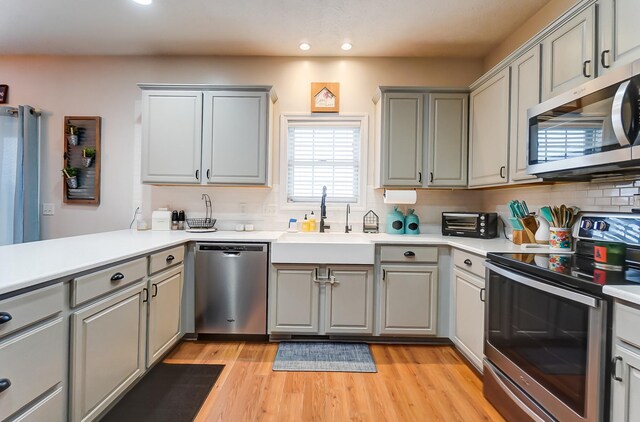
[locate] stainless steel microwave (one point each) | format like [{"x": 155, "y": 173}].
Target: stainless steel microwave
[{"x": 591, "y": 130}]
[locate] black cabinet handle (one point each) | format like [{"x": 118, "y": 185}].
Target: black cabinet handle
[
  {"x": 410, "y": 254},
  {"x": 468, "y": 262},
  {"x": 155, "y": 290},
  {"x": 5, "y": 317},
  {"x": 170, "y": 258},
  {"x": 146, "y": 295},
  {"x": 4, "y": 384},
  {"x": 384, "y": 274},
  {"x": 419, "y": 177},
  {"x": 208, "y": 174},
  {"x": 502, "y": 169},
  {"x": 117, "y": 277},
  {"x": 482, "y": 294},
  {"x": 197, "y": 174},
  {"x": 431, "y": 176},
  {"x": 584, "y": 68},
  {"x": 614, "y": 369},
  {"x": 602, "y": 59}
]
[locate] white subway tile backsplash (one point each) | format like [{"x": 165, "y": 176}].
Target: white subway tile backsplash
[
  {"x": 603, "y": 201},
  {"x": 628, "y": 191},
  {"x": 595, "y": 193},
  {"x": 611, "y": 192},
  {"x": 620, "y": 200}
]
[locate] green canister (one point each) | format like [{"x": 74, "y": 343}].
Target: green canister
[
  {"x": 411, "y": 223},
  {"x": 395, "y": 222}
]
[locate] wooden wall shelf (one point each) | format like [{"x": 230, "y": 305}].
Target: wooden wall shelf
[{"x": 88, "y": 190}]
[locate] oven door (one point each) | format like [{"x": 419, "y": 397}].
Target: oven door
[
  {"x": 549, "y": 341},
  {"x": 461, "y": 224}
]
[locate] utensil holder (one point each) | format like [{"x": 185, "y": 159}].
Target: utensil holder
[{"x": 560, "y": 239}]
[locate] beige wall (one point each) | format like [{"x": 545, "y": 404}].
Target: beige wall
[
  {"x": 106, "y": 86},
  {"x": 550, "y": 12}
]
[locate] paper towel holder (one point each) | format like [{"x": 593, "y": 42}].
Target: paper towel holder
[{"x": 400, "y": 197}]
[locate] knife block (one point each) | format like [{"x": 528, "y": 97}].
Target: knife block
[{"x": 523, "y": 236}]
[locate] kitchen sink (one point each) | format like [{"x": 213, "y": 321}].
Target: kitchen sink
[{"x": 323, "y": 248}]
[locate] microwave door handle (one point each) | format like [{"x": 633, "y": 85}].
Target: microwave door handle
[
  {"x": 624, "y": 138},
  {"x": 547, "y": 288}
]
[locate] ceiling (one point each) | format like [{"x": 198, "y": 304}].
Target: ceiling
[{"x": 378, "y": 28}]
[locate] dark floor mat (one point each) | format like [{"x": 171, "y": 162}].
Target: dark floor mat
[{"x": 169, "y": 392}]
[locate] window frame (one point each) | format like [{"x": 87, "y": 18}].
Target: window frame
[{"x": 285, "y": 120}]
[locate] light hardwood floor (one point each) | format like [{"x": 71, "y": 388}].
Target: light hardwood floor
[{"x": 413, "y": 383}]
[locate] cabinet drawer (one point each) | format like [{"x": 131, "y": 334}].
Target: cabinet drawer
[
  {"x": 51, "y": 408},
  {"x": 96, "y": 284},
  {"x": 627, "y": 320},
  {"x": 408, "y": 254},
  {"x": 31, "y": 307},
  {"x": 34, "y": 363},
  {"x": 469, "y": 262},
  {"x": 165, "y": 259}
]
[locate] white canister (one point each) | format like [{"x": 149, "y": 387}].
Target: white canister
[
  {"x": 542, "y": 234},
  {"x": 161, "y": 219}
]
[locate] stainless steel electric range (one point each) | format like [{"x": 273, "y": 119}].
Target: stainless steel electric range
[{"x": 548, "y": 325}]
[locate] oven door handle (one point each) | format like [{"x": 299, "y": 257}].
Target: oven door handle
[{"x": 556, "y": 291}]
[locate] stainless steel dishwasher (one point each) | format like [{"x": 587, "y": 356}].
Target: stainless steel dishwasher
[{"x": 231, "y": 288}]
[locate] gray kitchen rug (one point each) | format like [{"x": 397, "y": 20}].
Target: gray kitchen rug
[{"x": 324, "y": 357}]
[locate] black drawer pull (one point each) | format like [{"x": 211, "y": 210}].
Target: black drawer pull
[
  {"x": 146, "y": 295},
  {"x": 584, "y": 69},
  {"x": 4, "y": 384},
  {"x": 482, "y": 294},
  {"x": 468, "y": 262},
  {"x": 614, "y": 369},
  {"x": 155, "y": 290},
  {"x": 170, "y": 258},
  {"x": 117, "y": 277},
  {"x": 410, "y": 254},
  {"x": 5, "y": 317},
  {"x": 602, "y": 59}
]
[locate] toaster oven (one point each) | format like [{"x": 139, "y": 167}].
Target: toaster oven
[{"x": 482, "y": 225}]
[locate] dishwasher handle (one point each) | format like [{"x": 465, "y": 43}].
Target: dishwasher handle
[{"x": 231, "y": 253}]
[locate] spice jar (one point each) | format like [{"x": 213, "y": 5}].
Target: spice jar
[
  {"x": 174, "y": 220},
  {"x": 181, "y": 220}
]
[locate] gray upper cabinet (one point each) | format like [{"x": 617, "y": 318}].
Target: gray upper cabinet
[
  {"x": 619, "y": 40},
  {"x": 206, "y": 134},
  {"x": 489, "y": 131},
  {"x": 447, "y": 139},
  {"x": 525, "y": 93},
  {"x": 402, "y": 139},
  {"x": 235, "y": 137},
  {"x": 171, "y": 136},
  {"x": 568, "y": 55}
]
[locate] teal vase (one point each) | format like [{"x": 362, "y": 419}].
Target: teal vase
[
  {"x": 395, "y": 222},
  {"x": 411, "y": 223}
]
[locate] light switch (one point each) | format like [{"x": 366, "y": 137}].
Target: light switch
[{"x": 48, "y": 208}]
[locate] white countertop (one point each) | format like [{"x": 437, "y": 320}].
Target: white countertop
[
  {"x": 628, "y": 293},
  {"x": 28, "y": 264}
]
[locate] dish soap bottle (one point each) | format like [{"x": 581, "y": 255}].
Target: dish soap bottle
[
  {"x": 411, "y": 223},
  {"x": 312, "y": 222},
  {"x": 305, "y": 224}
]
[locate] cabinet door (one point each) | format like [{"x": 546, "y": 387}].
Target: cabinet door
[
  {"x": 402, "y": 139},
  {"x": 165, "y": 306},
  {"x": 625, "y": 393},
  {"x": 235, "y": 137},
  {"x": 349, "y": 301},
  {"x": 469, "y": 309},
  {"x": 525, "y": 93},
  {"x": 448, "y": 139},
  {"x": 619, "y": 40},
  {"x": 567, "y": 55},
  {"x": 489, "y": 131},
  {"x": 293, "y": 300},
  {"x": 107, "y": 350},
  {"x": 409, "y": 299},
  {"x": 171, "y": 136}
]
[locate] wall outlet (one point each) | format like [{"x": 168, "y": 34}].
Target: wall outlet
[
  {"x": 48, "y": 208},
  {"x": 270, "y": 209}
]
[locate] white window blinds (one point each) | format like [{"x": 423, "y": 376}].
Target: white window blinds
[{"x": 323, "y": 154}]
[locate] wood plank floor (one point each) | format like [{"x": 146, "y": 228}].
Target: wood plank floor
[{"x": 413, "y": 383}]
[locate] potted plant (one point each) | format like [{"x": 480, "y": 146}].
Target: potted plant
[
  {"x": 71, "y": 176},
  {"x": 87, "y": 156},
  {"x": 72, "y": 134}
]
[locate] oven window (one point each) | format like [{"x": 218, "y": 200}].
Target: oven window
[
  {"x": 544, "y": 335},
  {"x": 467, "y": 224}
]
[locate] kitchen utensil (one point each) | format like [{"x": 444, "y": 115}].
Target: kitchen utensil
[
  {"x": 546, "y": 213},
  {"x": 515, "y": 223}
]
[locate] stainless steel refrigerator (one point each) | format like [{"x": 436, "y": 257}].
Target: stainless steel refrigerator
[{"x": 19, "y": 174}]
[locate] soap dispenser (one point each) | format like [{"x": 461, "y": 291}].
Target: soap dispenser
[
  {"x": 312, "y": 222},
  {"x": 411, "y": 223},
  {"x": 305, "y": 224},
  {"x": 395, "y": 222}
]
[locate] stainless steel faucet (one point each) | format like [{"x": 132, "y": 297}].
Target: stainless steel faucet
[
  {"x": 323, "y": 210},
  {"x": 347, "y": 227}
]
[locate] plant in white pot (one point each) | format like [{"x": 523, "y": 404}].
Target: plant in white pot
[
  {"x": 72, "y": 134},
  {"x": 71, "y": 176},
  {"x": 88, "y": 155}
]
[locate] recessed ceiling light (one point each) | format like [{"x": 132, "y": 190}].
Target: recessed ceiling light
[
  {"x": 305, "y": 46},
  {"x": 144, "y": 2},
  {"x": 346, "y": 46}
]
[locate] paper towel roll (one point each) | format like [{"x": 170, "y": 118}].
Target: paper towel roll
[{"x": 399, "y": 197}]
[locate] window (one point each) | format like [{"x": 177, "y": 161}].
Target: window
[{"x": 324, "y": 151}]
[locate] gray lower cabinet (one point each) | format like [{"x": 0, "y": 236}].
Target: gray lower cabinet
[
  {"x": 408, "y": 302},
  {"x": 469, "y": 314},
  {"x": 299, "y": 294},
  {"x": 619, "y": 41},
  {"x": 165, "y": 305},
  {"x": 568, "y": 54},
  {"x": 625, "y": 373},
  {"x": 108, "y": 341}
]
